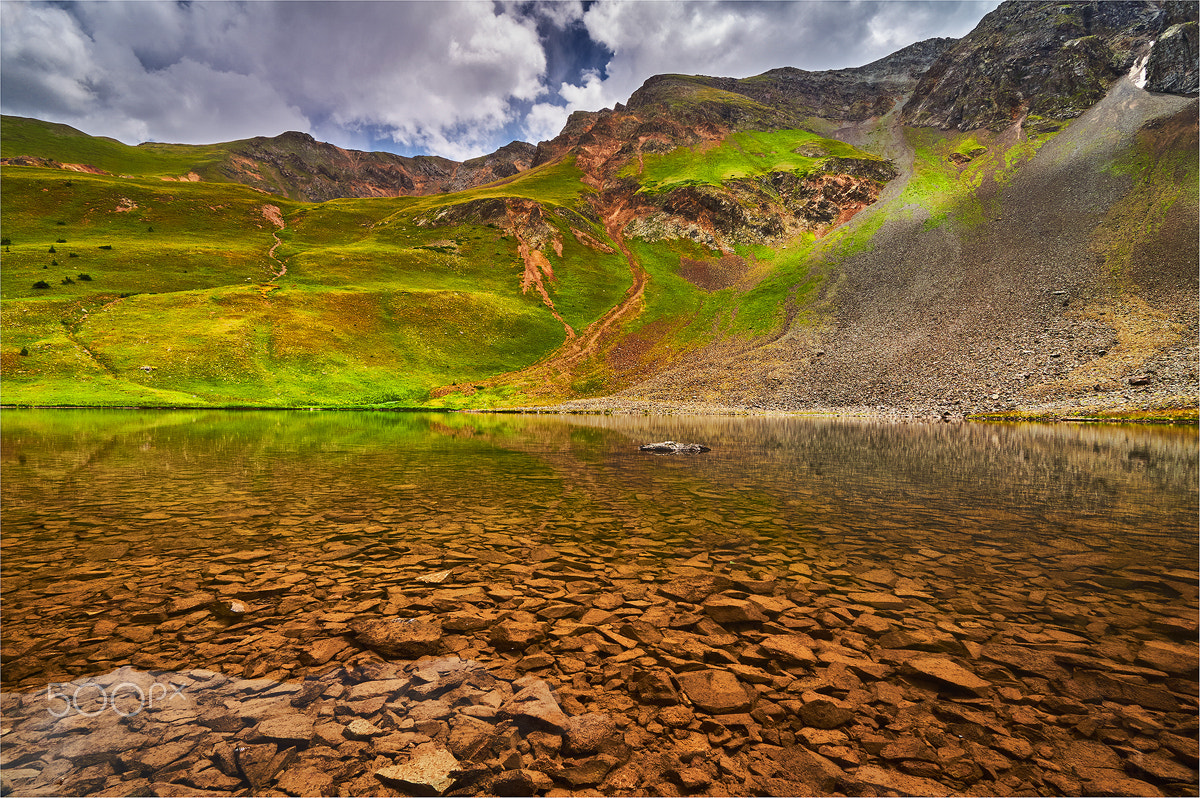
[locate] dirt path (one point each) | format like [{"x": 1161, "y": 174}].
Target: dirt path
[{"x": 275, "y": 217}]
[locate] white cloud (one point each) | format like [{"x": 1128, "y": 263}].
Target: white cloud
[
  {"x": 449, "y": 78},
  {"x": 546, "y": 120},
  {"x": 443, "y": 75}
]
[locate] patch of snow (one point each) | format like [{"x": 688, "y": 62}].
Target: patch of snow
[{"x": 1138, "y": 72}]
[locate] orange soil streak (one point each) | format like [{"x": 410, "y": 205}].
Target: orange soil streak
[
  {"x": 537, "y": 265},
  {"x": 558, "y": 366}
]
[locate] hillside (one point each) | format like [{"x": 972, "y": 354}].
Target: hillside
[{"x": 1005, "y": 222}]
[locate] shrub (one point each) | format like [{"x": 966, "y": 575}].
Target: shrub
[
  {"x": 41, "y": 284},
  {"x": 24, "y": 351},
  {"x": 150, "y": 229},
  {"x": 68, "y": 281},
  {"x": 4, "y": 242},
  {"x": 105, "y": 246},
  {"x": 72, "y": 255},
  {"x": 60, "y": 241},
  {"x": 87, "y": 278},
  {"x": 53, "y": 262},
  {"x": 52, "y": 249}
]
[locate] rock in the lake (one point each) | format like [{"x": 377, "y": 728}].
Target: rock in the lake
[
  {"x": 671, "y": 447},
  {"x": 428, "y": 768},
  {"x": 534, "y": 704},
  {"x": 725, "y": 609},
  {"x": 943, "y": 670},
  {"x": 289, "y": 729},
  {"x": 824, "y": 714},
  {"x": 587, "y": 733},
  {"x": 400, "y": 637},
  {"x": 714, "y": 691},
  {"x": 513, "y": 635}
]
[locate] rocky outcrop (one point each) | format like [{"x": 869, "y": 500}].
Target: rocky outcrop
[
  {"x": 1050, "y": 60},
  {"x": 1172, "y": 64}
]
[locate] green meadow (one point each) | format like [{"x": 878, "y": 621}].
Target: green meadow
[{"x": 131, "y": 289}]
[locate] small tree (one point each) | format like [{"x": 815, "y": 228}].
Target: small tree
[
  {"x": 87, "y": 278},
  {"x": 41, "y": 284},
  {"x": 51, "y": 249}
]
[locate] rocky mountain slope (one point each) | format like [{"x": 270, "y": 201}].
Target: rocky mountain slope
[{"x": 1003, "y": 222}]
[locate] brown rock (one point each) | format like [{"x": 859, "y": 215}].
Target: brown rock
[
  {"x": 947, "y": 672},
  {"x": 1161, "y": 769},
  {"x": 428, "y": 768},
  {"x": 306, "y": 781},
  {"x": 195, "y": 601},
  {"x": 824, "y": 714},
  {"x": 789, "y": 649},
  {"x": 471, "y": 739},
  {"x": 1105, "y": 782},
  {"x": 323, "y": 651},
  {"x": 361, "y": 729},
  {"x": 586, "y": 734},
  {"x": 406, "y": 638},
  {"x": 871, "y": 624},
  {"x": 517, "y": 782},
  {"x": 908, "y": 748},
  {"x": 812, "y": 769},
  {"x": 588, "y": 773},
  {"x": 291, "y": 729},
  {"x": 1173, "y": 658},
  {"x": 714, "y": 691},
  {"x": 694, "y": 589},
  {"x": 880, "y": 601},
  {"x": 512, "y": 635},
  {"x": 534, "y": 704},
  {"x": 904, "y": 784},
  {"x": 655, "y": 687},
  {"x": 726, "y": 610}
]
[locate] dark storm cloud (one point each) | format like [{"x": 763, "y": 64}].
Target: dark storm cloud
[{"x": 455, "y": 78}]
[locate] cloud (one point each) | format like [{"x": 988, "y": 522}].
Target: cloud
[
  {"x": 444, "y": 77},
  {"x": 449, "y": 78},
  {"x": 740, "y": 39}
]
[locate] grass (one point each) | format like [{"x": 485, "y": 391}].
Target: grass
[
  {"x": 181, "y": 307},
  {"x": 741, "y": 155},
  {"x": 22, "y": 136}
]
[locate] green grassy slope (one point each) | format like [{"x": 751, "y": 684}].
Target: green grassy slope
[
  {"x": 180, "y": 304},
  {"x": 24, "y": 136}
]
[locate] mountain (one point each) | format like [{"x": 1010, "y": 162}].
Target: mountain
[{"x": 1004, "y": 223}]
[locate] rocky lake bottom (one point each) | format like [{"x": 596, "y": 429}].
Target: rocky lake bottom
[{"x": 217, "y": 603}]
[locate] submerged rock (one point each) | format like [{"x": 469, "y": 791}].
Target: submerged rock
[
  {"x": 400, "y": 637},
  {"x": 671, "y": 447},
  {"x": 429, "y": 768}
]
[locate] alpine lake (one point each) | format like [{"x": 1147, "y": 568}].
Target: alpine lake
[{"x": 374, "y": 603}]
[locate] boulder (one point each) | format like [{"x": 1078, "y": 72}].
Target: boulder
[
  {"x": 534, "y": 704},
  {"x": 671, "y": 447},
  {"x": 407, "y": 638},
  {"x": 428, "y": 768},
  {"x": 714, "y": 691},
  {"x": 947, "y": 672}
]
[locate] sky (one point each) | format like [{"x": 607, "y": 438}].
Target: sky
[{"x": 457, "y": 79}]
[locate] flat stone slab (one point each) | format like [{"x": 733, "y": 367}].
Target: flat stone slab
[{"x": 943, "y": 670}]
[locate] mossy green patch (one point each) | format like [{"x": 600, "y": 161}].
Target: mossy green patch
[{"x": 739, "y": 155}]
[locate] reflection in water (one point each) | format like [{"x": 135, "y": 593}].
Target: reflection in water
[{"x": 250, "y": 543}]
